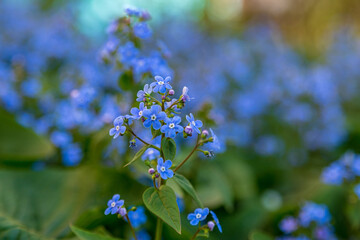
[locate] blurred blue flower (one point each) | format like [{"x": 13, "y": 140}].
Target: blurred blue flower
[
  {"x": 334, "y": 174},
  {"x": 150, "y": 154},
  {"x": 142, "y": 93},
  {"x": 357, "y": 190},
  {"x": 142, "y": 30},
  {"x": 172, "y": 126},
  {"x": 194, "y": 124},
  {"x": 128, "y": 53},
  {"x": 161, "y": 85},
  {"x": 31, "y": 87},
  {"x": 164, "y": 168},
  {"x": 142, "y": 235},
  {"x": 137, "y": 217},
  {"x": 312, "y": 212},
  {"x": 288, "y": 225},
  {"x": 217, "y": 222},
  {"x": 71, "y": 154},
  {"x": 198, "y": 216},
  {"x": 154, "y": 115},
  {"x": 114, "y": 205}
]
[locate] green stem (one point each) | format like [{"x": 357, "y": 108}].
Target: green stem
[
  {"x": 196, "y": 233},
  {"x": 158, "y": 232},
  {"x": 141, "y": 140},
  {"x": 131, "y": 227},
  {"x": 188, "y": 156},
  {"x": 157, "y": 101}
]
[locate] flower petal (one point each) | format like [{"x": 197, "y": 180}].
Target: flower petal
[
  {"x": 156, "y": 124},
  {"x": 147, "y": 123}
]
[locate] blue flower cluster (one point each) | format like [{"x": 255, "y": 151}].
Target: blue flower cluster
[
  {"x": 199, "y": 215},
  {"x": 313, "y": 218},
  {"x": 346, "y": 169}
]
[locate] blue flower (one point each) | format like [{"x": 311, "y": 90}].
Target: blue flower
[
  {"x": 60, "y": 139},
  {"x": 334, "y": 174},
  {"x": 114, "y": 205},
  {"x": 161, "y": 85},
  {"x": 128, "y": 53},
  {"x": 356, "y": 166},
  {"x": 164, "y": 168},
  {"x": 357, "y": 190},
  {"x": 172, "y": 126},
  {"x": 154, "y": 115},
  {"x": 194, "y": 124},
  {"x": 318, "y": 213},
  {"x": 142, "y": 93},
  {"x": 31, "y": 87},
  {"x": 214, "y": 143},
  {"x": 198, "y": 216},
  {"x": 142, "y": 235},
  {"x": 288, "y": 225},
  {"x": 118, "y": 127},
  {"x": 150, "y": 154},
  {"x": 133, "y": 12},
  {"x": 185, "y": 97},
  {"x": 216, "y": 220},
  {"x": 142, "y": 30},
  {"x": 138, "y": 112},
  {"x": 71, "y": 155},
  {"x": 137, "y": 217}
]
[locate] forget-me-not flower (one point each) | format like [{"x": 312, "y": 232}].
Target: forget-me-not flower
[
  {"x": 114, "y": 205},
  {"x": 138, "y": 112},
  {"x": 194, "y": 124},
  {"x": 154, "y": 115},
  {"x": 118, "y": 127},
  {"x": 142, "y": 30},
  {"x": 198, "y": 216},
  {"x": 164, "y": 168},
  {"x": 142, "y": 93},
  {"x": 161, "y": 84},
  {"x": 172, "y": 126}
]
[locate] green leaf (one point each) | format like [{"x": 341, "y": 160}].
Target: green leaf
[
  {"x": 138, "y": 155},
  {"x": 162, "y": 203},
  {"x": 257, "y": 235},
  {"x": 19, "y": 143},
  {"x": 169, "y": 148},
  {"x": 187, "y": 186},
  {"x": 86, "y": 235}
]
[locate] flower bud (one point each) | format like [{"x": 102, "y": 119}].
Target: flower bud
[
  {"x": 171, "y": 92},
  {"x": 211, "y": 225},
  {"x": 157, "y": 175},
  {"x": 163, "y": 97},
  {"x": 205, "y": 133},
  {"x": 151, "y": 171},
  {"x": 188, "y": 130},
  {"x": 122, "y": 211},
  {"x": 132, "y": 143},
  {"x": 133, "y": 208}
]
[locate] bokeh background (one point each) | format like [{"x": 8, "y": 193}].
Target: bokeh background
[{"x": 278, "y": 80}]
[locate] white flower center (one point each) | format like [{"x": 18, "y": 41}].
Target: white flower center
[
  {"x": 161, "y": 82},
  {"x": 198, "y": 215},
  {"x": 153, "y": 117},
  {"x": 113, "y": 204},
  {"x": 117, "y": 128},
  {"x": 162, "y": 169},
  {"x": 140, "y": 113},
  {"x": 171, "y": 125},
  {"x": 151, "y": 151}
]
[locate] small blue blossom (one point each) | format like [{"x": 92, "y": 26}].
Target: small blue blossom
[
  {"x": 334, "y": 174},
  {"x": 138, "y": 112},
  {"x": 142, "y": 235},
  {"x": 118, "y": 127},
  {"x": 154, "y": 115},
  {"x": 194, "y": 124},
  {"x": 318, "y": 213},
  {"x": 71, "y": 155},
  {"x": 180, "y": 203},
  {"x": 150, "y": 154},
  {"x": 172, "y": 126},
  {"x": 288, "y": 225},
  {"x": 114, "y": 205},
  {"x": 356, "y": 166},
  {"x": 164, "y": 168},
  {"x": 357, "y": 190},
  {"x": 198, "y": 216},
  {"x": 128, "y": 53},
  {"x": 133, "y": 12},
  {"x": 142, "y": 93},
  {"x": 216, "y": 221},
  {"x": 161, "y": 85},
  {"x": 185, "y": 96},
  {"x": 31, "y": 87},
  {"x": 214, "y": 144},
  {"x": 142, "y": 30},
  {"x": 137, "y": 217},
  {"x": 60, "y": 138}
]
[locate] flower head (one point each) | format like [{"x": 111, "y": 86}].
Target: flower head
[
  {"x": 118, "y": 127},
  {"x": 142, "y": 93},
  {"x": 334, "y": 174},
  {"x": 288, "y": 225},
  {"x": 185, "y": 97},
  {"x": 172, "y": 126},
  {"x": 142, "y": 30},
  {"x": 216, "y": 220},
  {"x": 137, "y": 217},
  {"x": 150, "y": 154},
  {"x": 198, "y": 216},
  {"x": 164, "y": 168},
  {"x": 138, "y": 112},
  {"x": 154, "y": 115},
  {"x": 214, "y": 144},
  {"x": 161, "y": 84},
  {"x": 114, "y": 205},
  {"x": 194, "y": 124},
  {"x": 133, "y": 12}
]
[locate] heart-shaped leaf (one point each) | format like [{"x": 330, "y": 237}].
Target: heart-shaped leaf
[
  {"x": 169, "y": 148},
  {"x": 162, "y": 202}
]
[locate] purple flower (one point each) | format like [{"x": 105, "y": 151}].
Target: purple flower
[
  {"x": 142, "y": 30},
  {"x": 194, "y": 124},
  {"x": 154, "y": 115},
  {"x": 142, "y": 93},
  {"x": 114, "y": 205},
  {"x": 172, "y": 126},
  {"x": 164, "y": 168},
  {"x": 161, "y": 85},
  {"x": 118, "y": 127},
  {"x": 198, "y": 216},
  {"x": 138, "y": 112}
]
